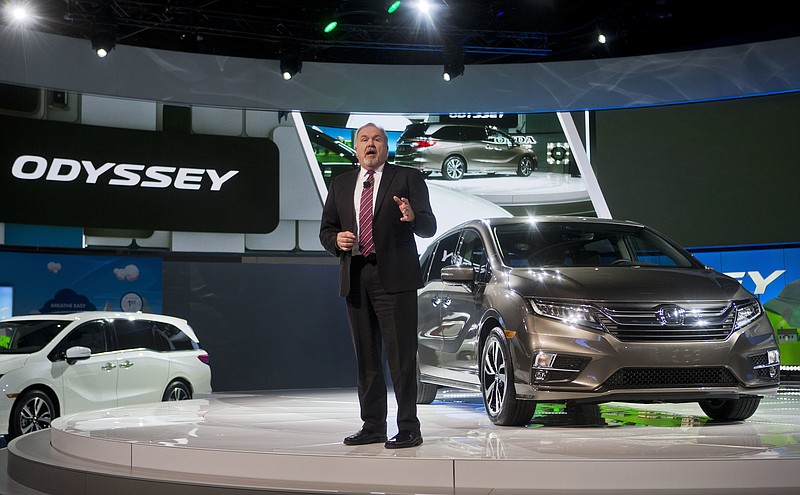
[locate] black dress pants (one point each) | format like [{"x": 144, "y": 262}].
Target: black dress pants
[{"x": 381, "y": 320}]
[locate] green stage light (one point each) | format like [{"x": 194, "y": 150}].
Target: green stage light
[
  {"x": 331, "y": 26},
  {"x": 394, "y": 6}
]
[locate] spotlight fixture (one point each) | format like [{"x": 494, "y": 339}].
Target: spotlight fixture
[
  {"x": 453, "y": 63},
  {"x": 424, "y": 7},
  {"x": 393, "y": 6},
  {"x": 19, "y": 14},
  {"x": 601, "y": 38},
  {"x": 330, "y": 26},
  {"x": 291, "y": 63},
  {"x": 104, "y": 39}
]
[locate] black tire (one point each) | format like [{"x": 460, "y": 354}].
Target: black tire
[
  {"x": 497, "y": 384},
  {"x": 730, "y": 409},
  {"x": 454, "y": 167},
  {"x": 526, "y": 166},
  {"x": 32, "y": 411},
  {"x": 177, "y": 390},
  {"x": 426, "y": 392}
]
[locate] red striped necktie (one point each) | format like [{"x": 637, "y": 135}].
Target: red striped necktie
[{"x": 365, "y": 216}]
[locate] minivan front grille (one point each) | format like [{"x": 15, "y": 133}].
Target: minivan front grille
[
  {"x": 696, "y": 324},
  {"x": 669, "y": 377}
]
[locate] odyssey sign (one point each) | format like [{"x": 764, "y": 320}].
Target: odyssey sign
[
  {"x": 57, "y": 173},
  {"x": 758, "y": 279},
  {"x": 32, "y": 167}
]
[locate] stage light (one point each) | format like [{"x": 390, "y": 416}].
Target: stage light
[
  {"x": 393, "y": 7},
  {"x": 601, "y": 38},
  {"x": 424, "y": 7},
  {"x": 330, "y": 26},
  {"x": 19, "y": 14},
  {"x": 452, "y": 71},
  {"x": 453, "y": 63},
  {"x": 104, "y": 39},
  {"x": 291, "y": 63}
]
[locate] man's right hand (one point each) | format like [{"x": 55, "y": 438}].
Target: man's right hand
[{"x": 345, "y": 240}]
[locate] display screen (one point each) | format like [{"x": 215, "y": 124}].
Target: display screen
[
  {"x": 6, "y": 302},
  {"x": 520, "y": 162}
]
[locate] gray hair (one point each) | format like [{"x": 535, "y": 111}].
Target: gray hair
[{"x": 371, "y": 124}]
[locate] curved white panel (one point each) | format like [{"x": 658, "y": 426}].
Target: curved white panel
[{"x": 57, "y": 62}]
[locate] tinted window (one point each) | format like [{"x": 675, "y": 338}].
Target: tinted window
[
  {"x": 24, "y": 337},
  {"x": 171, "y": 338},
  {"x": 92, "y": 335},
  {"x": 500, "y": 138},
  {"x": 448, "y": 133},
  {"x": 471, "y": 253},
  {"x": 425, "y": 263},
  {"x": 474, "y": 133},
  {"x": 443, "y": 256},
  {"x": 136, "y": 334},
  {"x": 414, "y": 131}
]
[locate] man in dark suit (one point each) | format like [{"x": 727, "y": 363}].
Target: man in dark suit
[{"x": 379, "y": 277}]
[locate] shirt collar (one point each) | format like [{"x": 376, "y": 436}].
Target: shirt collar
[{"x": 363, "y": 172}]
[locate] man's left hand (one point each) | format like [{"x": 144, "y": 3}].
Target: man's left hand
[{"x": 405, "y": 209}]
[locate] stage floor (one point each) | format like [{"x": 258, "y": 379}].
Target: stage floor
[{"x": 291, "y": 442}]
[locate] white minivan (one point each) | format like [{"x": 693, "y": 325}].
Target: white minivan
[{"x": 57, "y": 364}]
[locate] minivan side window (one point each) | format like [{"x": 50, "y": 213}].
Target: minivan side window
[
  {"x": 425, "y": 263},
  {"x": 93, "y": 334},
  {"x": 448, "y": 133},
  {"x": 135, "y": 334},
  {"x": 171, "y": 338},
  {"x": 471, "y": 253},
  {"x": 443, "y": 256},
  {"x": 474, "y": 134}
]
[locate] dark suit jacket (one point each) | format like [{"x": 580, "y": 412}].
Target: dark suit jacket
[{"x": 395, "y": 248}]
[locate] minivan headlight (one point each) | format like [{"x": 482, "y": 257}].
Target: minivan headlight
[
  {"x": 580, "y": 315},
  {"x": 746, "y": 312}
]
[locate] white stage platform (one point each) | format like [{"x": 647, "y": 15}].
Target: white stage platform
[
  {"x": 540, "y": 188},
  {"x": 290, "y": 442}
]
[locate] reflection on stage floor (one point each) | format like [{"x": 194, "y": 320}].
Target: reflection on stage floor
[{"x": 291, "y": 442}]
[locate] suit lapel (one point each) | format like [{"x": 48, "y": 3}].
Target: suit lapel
[
  {"x": 349, "y": 191},
  {"x": 388, "y": 175}
]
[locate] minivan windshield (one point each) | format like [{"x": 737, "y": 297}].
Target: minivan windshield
[
  {"x": 563, "y": 244},
  {"x": 25, "y": 337}
]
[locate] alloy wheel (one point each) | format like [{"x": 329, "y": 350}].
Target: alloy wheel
[
  {"x": 525, "y": 166},
  {"x": 494, "y": 377},
  {"x": 35, "y": 415},
  {"x": 453, "y": 168}
]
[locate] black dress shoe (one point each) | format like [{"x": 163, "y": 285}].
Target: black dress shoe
[
  {"x": 404, "y": 439},
  {"x": 363, "y": 437}
]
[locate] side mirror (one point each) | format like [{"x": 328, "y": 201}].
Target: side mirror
[
  {"x": 458, "y": 274},
  {"x": 77, "y": 353}
]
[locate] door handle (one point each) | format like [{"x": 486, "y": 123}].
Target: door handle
[
  {"x": 108, "y": 366},
  {"x": 125, "y": 364}
]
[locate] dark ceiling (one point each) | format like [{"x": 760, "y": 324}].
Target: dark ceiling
[{"x": 488, "y": 31}]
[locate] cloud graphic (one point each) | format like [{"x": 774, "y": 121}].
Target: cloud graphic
[
  {"x": 67, "y": 301},
  {"x": 53, "y": 267},
  {"x": 129, "y": 273}
]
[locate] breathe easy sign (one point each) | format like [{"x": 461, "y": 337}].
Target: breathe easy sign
[{"x": 54, "y": 173}]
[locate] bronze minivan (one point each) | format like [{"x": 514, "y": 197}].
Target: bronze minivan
[
  {"x": 584, "y": 310},
  {"x": 454, "y": 150}
]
